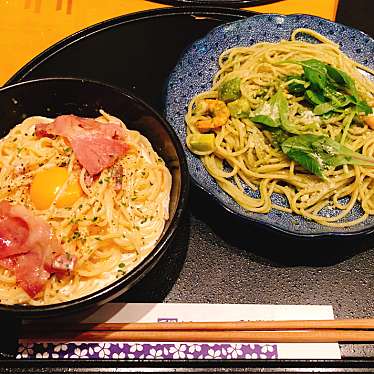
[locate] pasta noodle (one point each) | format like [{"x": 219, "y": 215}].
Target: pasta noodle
[
  {"x": 109, "y": 231},
  {"x": 244, "y": 155}
]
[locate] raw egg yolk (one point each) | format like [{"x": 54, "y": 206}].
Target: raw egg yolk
[{"x": 46, "y": 185}]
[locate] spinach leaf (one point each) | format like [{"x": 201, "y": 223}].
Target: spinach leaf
[
  {"x": 315, "y": 72},
  {"x": 274, "y": 99},
  {"x": 317, "y": 153},
  {"x": 363, "y": 107},
  {"x": 327, "y": 115},
  {"x": 265, "y": 120},
  {"x": 301, "y": 142},
  {"x": 300, "y": 149},
  {"x": 338, "y": 99},
  {"x": 296, "y": 85},
  {"x": 281, "y": 101},
  {"x": 278, "y": 136},
  {"x": 278, "y": 108},
  {"x": 229, "y": 90},
  {"x": 347, "y": 121},
  {"x": 342, "y": 78},
  {"x": 323, "y": 108},
  {"x": 315, "y": 97},
  {"x": 308, "y": 160},
  {"x": 336, "y": 154},
  {"x": 330, "y": 85},
  {"x": 268, "y": 113}
]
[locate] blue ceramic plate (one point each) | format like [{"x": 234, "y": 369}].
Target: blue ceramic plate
[{"x": 194, "y": 73}]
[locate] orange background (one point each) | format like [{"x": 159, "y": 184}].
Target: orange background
[{"x": 27, "y": 27}]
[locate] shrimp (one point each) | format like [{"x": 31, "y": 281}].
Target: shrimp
[
  {"x": 369, "y": 120},
  {"x": 218, "y": 112}
]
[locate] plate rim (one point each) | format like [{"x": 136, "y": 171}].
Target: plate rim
[{"x": 311, "y": 235}]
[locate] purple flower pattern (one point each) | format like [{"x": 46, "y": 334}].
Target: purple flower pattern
[{"x": 148, "y": 351}]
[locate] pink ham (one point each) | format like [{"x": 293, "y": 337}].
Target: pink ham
[
  {"x": 14, "y": 232},
  {"x": 29, "y": 270},
  {"x": 96, "y": 145},
  {"x": 29, "y": 248}
]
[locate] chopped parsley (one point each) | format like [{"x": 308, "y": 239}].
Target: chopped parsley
[{"x": 76, "y": 235}]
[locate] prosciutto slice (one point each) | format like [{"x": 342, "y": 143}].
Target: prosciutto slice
[
  {"x": 96, "y": 145},
  {"x": 14, "y": 232},
  {"x": 29, "y": 248}
]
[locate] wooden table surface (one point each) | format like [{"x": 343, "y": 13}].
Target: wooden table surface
[{"x": 27, "y": 27}]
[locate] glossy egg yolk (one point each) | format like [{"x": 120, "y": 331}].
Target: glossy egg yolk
[{"x": 46, "y": 185}]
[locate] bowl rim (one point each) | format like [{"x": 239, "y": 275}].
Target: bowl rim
[
  {"x": 21, "y": 74},
  {"x": 125, "y": 282},
  {"x": 302, "y": 235}
]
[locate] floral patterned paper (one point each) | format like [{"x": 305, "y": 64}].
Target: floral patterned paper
[{"x": 148, "y": 351}]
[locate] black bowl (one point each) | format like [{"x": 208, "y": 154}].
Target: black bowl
[{"x": 55, "y": 96}]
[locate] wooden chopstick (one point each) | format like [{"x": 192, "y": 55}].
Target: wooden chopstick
[
  {"x": 301, "y": 336},
  {"x": 345, "y": 324},
  {"x": 308, "y": 331}
]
